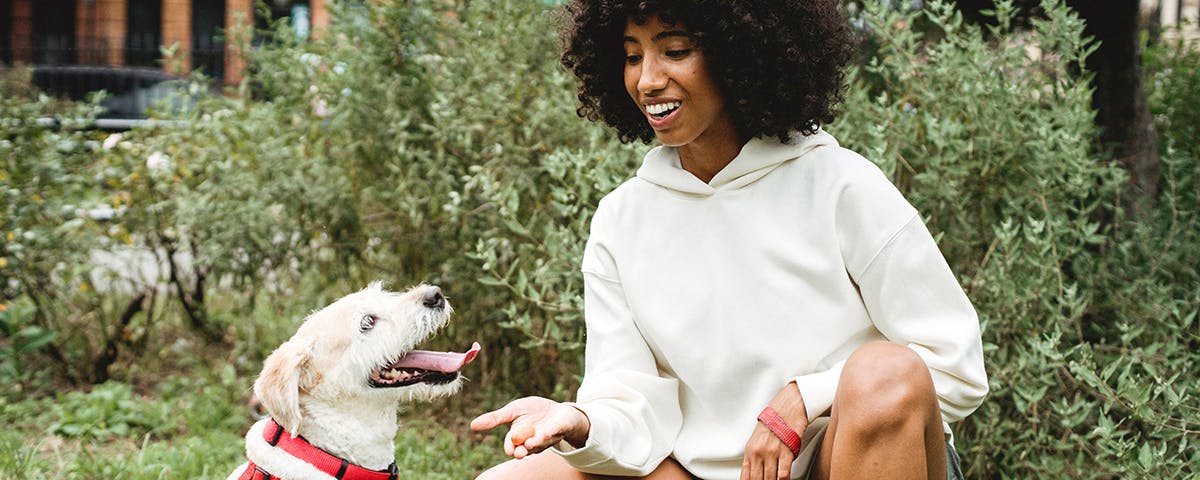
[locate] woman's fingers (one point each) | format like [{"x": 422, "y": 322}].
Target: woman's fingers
[
  {"x": 767, "y": 458},
  {"x": 530, "y": 432},
  {"x": 521, "y": 432},
  {"x": 766, "y": 468},
  {"x": 537, "y": 424},
  {"x": 509, "y": 447},
  {"x": 756, "y": 470},
  {"x": 543, "y": 440},
  {"x": 520, "y": 440},
  {"x": 491, "y": 419},
  {"x": 783, "y": 467},
  {"x": 506, "y": 414}
]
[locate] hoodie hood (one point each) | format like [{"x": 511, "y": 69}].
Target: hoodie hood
[{"x": 757, "y": 158}]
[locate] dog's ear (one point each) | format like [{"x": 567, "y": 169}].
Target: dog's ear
[{"x": 278, "y": 386}]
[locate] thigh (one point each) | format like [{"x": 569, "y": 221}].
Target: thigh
[{"x": 550, "y": 466}]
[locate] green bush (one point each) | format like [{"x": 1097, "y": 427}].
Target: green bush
[
  {"x": 993, "y": 141},
  {"x": 51, "y": 217},
  {"x": 109, "y": 410},
  {"x": 458, "y": 130}
]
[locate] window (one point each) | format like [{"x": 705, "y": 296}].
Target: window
[
  {"x": 143, "y": 34},
  {"x": 208, "y": 37},
  {"x": 296, "y": 13},
  {"x": 54, "y": 32},
  {"x": 6, "y": 32}
]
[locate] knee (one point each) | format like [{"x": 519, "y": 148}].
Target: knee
[{"x": 885, "y": 386}]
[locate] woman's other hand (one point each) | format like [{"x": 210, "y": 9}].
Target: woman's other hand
[
  {"x": 537, "y": 424},
  {"x": 768, "y": 457}
]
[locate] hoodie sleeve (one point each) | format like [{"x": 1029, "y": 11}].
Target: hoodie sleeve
[
  {"x": 908, "y": 289},
  {"x": 915, "y": 300},
  {"x": 634, "y": 412}
]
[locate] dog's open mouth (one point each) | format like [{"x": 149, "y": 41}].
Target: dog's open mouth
[{"x": 421, "y": 366}]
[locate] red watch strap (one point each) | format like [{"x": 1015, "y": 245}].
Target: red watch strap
[{"x": 780, "y": 428}]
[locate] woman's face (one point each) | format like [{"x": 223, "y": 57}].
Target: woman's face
[{"x": 669, "y": 81}]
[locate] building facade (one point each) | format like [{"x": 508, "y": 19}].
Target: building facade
[
  {"x": 1180, "y": 17},
  {"x": 131, "y": 32}
]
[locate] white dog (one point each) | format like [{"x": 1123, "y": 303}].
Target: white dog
[{"x": 333, "y": 389}]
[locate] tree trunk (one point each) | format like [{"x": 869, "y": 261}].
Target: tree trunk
[
  {"x": 1122, "y": 113},
  {"x": 1119, "y": 97}
]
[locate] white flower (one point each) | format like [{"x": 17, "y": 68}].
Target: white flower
[
  {"x": 112, "y": 141},
  {"x": 101, "y": 213},
  {"x": 311, "y": 59},
  {"x": 157, "y": 161},
  {"x": 320, "y": 108},
  {"x": 429, "y": 59}
]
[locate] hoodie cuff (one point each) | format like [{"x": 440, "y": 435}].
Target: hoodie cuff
[
  {"x": 817, "y": 389},
  {"x": 593, "y": 452}
]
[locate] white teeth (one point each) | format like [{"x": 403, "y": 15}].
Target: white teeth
[
  {"x": 659, "y": 108},
  {"x": 396, "y": 374}
]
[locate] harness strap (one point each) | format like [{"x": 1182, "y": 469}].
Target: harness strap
[
  {"x": 255, "y": 472},
  {"x": 324, "y": 461}
]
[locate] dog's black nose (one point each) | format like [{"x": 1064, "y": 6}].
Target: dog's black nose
[{"x": 433, "y": 298}]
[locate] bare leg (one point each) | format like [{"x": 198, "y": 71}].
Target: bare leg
[
  {"x": 885, "y": 421},
  {"x": 550, "y": 466}
]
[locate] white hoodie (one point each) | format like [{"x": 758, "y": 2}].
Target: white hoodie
[{"x": 703, "y": 300}]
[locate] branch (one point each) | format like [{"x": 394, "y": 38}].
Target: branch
[{"x": 109, "y": 353}]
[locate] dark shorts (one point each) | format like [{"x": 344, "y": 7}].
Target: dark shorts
[
  {"x": 953, "y": 468},
  {"x": 816, "y": 433}
]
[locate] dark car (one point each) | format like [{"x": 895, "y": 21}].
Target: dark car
[{"x": 130, "y": 91}]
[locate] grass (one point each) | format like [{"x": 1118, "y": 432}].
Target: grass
[{"x": 191, "y": 426}]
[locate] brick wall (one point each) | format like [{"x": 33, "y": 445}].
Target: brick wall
[
  {"x": 239, "y": 20},
  {"x": 100, "y": 32},
  {"x": 22, "y": 32},
  {"x": 320, "y": 17},
  {"x": 177, "y": 34},
  {"x": 101, "y": 27}
]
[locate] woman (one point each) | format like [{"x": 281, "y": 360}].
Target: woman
[{"x": 760, "y": 303}]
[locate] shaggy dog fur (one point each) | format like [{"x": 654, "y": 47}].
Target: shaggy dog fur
[{"x": 339, "y": 380}]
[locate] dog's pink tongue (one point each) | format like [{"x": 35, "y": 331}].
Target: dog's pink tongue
[{"x": 445, "y": 362}]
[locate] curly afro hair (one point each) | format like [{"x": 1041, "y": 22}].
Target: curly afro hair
[{"x": 780, "y": 63}]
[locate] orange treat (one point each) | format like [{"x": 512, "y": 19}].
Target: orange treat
[{"x": 521, "y": 433}]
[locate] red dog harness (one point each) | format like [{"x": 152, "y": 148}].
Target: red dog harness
[{"x": 324, "y": 461}]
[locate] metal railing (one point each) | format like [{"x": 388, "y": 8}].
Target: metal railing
[{"x": 139, "y": 50}]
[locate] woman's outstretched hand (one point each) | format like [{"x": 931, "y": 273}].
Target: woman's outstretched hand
[
  {"x": 537, "y": 424},
  {"x": 768, "y": 457}
]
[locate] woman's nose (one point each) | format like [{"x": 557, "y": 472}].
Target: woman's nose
[{"x": 653, "y": 77}]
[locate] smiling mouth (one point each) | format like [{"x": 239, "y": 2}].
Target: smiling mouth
[
  {"x": 421, "y": 366},
  {"x": 660, "y": 111},
  {"x": 410, "y": 376}
]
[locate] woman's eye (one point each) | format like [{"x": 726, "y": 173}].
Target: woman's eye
[
  {"x": 632, "y": 59},
  {"x": 678, "y": 53}
]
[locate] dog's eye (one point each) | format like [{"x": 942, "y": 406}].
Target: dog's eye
[{"x": 367, "y": 323}]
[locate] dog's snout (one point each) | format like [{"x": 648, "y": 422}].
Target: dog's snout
[{"x": 433, "y": 298}]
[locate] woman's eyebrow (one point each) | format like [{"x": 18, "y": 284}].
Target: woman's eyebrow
[
  {"x": 660, "y": 36},
  {"x": 671, "y": 33}
]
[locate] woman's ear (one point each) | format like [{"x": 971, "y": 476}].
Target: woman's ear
[{"x": 278, "y": 386}]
